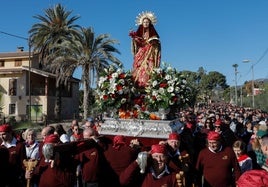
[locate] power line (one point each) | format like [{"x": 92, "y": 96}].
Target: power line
[
  {"x": 13, "y": 35},
  {"x": 263, "y": 55}
]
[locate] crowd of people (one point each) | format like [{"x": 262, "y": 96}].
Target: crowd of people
[{"x": 220, "y": 145}]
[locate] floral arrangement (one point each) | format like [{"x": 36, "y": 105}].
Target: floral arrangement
[
  {"x": 166, "y": 88},
  {"x": 116, "y": 91}
]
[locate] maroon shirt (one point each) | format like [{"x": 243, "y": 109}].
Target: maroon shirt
[
  {"x": 120, "y": 158},
  {"x": 4, "y": 164},
  {"x": 54, "y": 177},
  {"x": 15, "y": 171},
  {"x": 218, "y": 168},
  {"x": 131, "y": 176},
  {"x": 90, "y": 169},
  {"x": 116, "y": 161}
]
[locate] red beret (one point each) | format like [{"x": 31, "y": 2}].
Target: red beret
[
  {"x": 118, "y": 141},
  {"x": 5, "y": 128},
  {"x": 52, "y": 138},
  {"x": 212, "y": 135},
  {"x": 174, "y": 136},
  {"x": 158, "y": 148},
  {"x": 253, "y": 178}
]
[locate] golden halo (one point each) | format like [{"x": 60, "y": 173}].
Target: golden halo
[{"x": 146, "y": 14}]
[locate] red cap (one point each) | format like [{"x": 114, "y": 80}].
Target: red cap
[
  {"x": 158, "y": 148},
  {"x": 118, "y": 141},
  {"x": 52, "y": 138},
  {"x": 212, "y": 135},
  {"x": 253, "y": 178},
  {"x": 174, "y": 136},
  {"x": 5, "y": 128},
  {"x": 218, "y": 122}
]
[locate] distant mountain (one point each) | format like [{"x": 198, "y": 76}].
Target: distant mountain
[{"x": 264, "y": 80}]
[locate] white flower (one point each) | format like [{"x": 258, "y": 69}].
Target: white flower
[
  {"x": 161, "y": 90},
  {"x": 123, "y": 100},
  {"x": 114, "y": 75},
  {"x": 158, "y": 70},
  {"x": 102, "y": 80},
  {"x": 154, "y": 93},
  {"x": 170, "y": 89},
  {"x": 168, "y": 77},
  {"x": 119, "y": 71},
  {"x": 154, "y": 83},
  {"x": 121, "y": 81}
]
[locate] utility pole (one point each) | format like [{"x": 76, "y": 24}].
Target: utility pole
[
  {"x": 252, "y": 82},
  {"x": 235, "y": 67}
]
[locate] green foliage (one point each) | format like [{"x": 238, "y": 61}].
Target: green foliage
[{"x": 203, "y": 84}]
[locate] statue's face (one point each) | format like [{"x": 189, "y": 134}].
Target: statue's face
[{"x": 146, "y": 22}]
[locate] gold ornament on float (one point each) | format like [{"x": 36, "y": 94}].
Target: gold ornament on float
[{"x": 146, "y": 14}]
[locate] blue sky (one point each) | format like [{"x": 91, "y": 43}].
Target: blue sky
[{"x": 213, "y": 34}]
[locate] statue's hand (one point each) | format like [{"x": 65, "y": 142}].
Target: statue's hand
[{"x": 132, "y": 34}]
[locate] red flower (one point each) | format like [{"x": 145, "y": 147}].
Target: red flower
[
  {"x": 119, "y": 87},
  {"x": 122, "y": 76},
  {"x": 174, "y": 98},
  {"x": 163, "y": 85},
  {"x": 105, "y": 97}
]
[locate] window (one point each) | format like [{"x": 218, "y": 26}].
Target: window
[
  {"x": 12, "y": 87},
  {"x": 2, "y": 63},
  {"x": 18, "y": 63},
  {"x": 12, "y": 108}
]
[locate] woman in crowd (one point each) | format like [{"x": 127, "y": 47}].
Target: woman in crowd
[
  {"x": 77, "y": 133},
  {"x": 31, "y": 144}
]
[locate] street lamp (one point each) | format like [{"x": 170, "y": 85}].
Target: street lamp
[
  {"x": 29, "y": 71},
  {"x": 235, "y": 67},
  {"x": 252, "y": 82}
]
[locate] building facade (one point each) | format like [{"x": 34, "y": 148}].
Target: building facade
[{"x": 27, "y": 89}]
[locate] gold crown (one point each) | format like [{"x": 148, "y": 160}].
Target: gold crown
[{"x": 147, "y": 14}]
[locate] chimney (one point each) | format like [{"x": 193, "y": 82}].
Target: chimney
[{"x": 20, "y": 49}]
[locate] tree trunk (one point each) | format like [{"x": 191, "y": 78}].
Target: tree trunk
[
  {"x": 86, "y": 91},
  {"x": 57, "y": 109}
]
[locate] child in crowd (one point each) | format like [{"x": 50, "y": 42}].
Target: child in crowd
[{"x": 245, "y": 162}]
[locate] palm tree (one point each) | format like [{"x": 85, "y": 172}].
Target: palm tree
[
  {"x": 55, "y": 28},
  {"x": 91, "y": 54}
]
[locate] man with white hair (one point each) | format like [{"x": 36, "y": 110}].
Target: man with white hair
[{"x": 154, "y": 172}]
